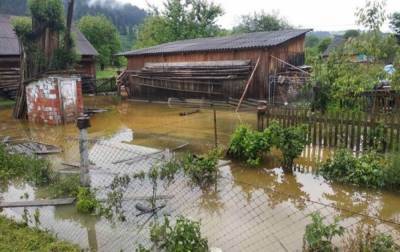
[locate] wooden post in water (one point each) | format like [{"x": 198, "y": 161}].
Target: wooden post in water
[
  {"x": 215, "y": 127},
  {"x": 83, "y": 123}
]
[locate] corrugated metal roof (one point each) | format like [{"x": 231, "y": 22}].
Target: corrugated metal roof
[
  {"x": 9, "y": 44},
  {"x": 241, "y": 41}
]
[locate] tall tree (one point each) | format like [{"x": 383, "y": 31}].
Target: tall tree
[
  {"x": 103, "y": 35},
  {"x": 261, "y": 21},
  {"x": 395, "y": 24},
  {"x": 180, "y": 19}
]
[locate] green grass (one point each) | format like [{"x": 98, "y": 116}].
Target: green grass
[
  {"x": 106, "y": 73},
  {"x": 6, "y": 102},
  {"x": 16, "y": 236}
]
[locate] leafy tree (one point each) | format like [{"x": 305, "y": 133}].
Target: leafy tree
[
  {"x": 261, "y": 21},
  {"x": 323, "y": 45},
  {"x": 395, "y": 24},
  {"x": 103, "y": 35},
  {"x": 351, "y": 34},
  {"x": 179, "y": 20},
  {"x": 311, "y": 41},
  {"x": 372, "y": 15}
]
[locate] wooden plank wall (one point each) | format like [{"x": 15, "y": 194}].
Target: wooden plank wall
[
  {"x": 258, "y": 89},
  {"x": 354, "y": 130}
]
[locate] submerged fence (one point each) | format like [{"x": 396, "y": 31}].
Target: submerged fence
[
  {"x": 345, "y": 129},
  {"x": 235, "y": 215}
]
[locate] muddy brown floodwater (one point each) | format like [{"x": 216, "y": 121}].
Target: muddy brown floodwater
[{"x": 259, "y": 209}]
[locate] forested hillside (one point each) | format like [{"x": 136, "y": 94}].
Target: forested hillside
[{"x": 124, "y": 16}]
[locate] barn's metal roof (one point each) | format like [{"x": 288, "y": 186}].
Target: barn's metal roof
[
  {"x": 9, "y": 44},
  {"x": 235, "y": 42}
]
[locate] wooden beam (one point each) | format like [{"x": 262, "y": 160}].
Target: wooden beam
[
  {"x": 38, "y": 203},
  {"x": 286, "y": 63},
  {"x": 248, "y": 83}
]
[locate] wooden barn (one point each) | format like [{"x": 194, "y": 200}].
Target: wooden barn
[
  {"x": 10, "y": 57},
  {"x": 212, "y": 68}
]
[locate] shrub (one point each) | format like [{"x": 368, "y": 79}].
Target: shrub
[
  {"x": 32, "y": 169},
  {"x": 184, "y": 236},
  {"x": 249, "y": 145},
  {"x": 86, "y": 201},
  {"x": 370, "y": 240},
  {"x": 202, "y": 170},
  {"x": 64, "y": 187},
  {"x": 392, "y": 172},
  {"x": 291, "y": 142},
  {"x": 367, "y": 170},
  {"x": 318, "y": 235}
]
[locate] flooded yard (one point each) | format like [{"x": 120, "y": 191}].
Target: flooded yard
[{"x": 252, "y": 209}]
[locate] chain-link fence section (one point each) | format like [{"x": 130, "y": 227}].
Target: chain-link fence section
[{"x": 235, "y": 215}]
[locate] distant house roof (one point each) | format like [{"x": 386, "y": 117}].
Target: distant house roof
[
  {"x": 9, "y": 44},
  {"x": 235, "y": 42},
  {"x": 83, "y": 46},
  {"x": 337, "y": 42}
]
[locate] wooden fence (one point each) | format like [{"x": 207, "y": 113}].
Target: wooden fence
[{"x": 355, "y": 130}]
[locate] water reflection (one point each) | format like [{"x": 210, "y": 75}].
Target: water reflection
[{"x": 244, "y": 198}]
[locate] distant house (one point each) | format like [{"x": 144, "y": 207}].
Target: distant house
[
  {"x": 217, "y": 67},
  {"x": 10, "y": 57},
  {"x": 338, "y": 42}
]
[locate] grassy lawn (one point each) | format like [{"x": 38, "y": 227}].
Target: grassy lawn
[
  {"x": 19, "y": 237},
  {"x": 6, "y": 103},
  {"x": 106, "y": 73}
]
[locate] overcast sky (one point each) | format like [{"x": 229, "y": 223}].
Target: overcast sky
[{"x": 333, "y": 15}]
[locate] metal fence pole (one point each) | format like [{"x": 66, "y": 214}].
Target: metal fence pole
[{"x": 83, "y": 123}]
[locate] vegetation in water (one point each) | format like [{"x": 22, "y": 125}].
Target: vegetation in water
[
  {"x": 86, "y": 201},
  {"x": 112, "y": 207},
  {"x": 369, "y": 239},
  {"x": 30, "y": 168},
  {"x": 318, "y": 235},
  {"x": 369, "y": 170},
  {"x": 202, "y": 170},
  {"x": 15, "y": 236},
  {"x": 249, "y": 145},
  {"x": 290, "y": 141},
  {"x": 63, "y": 186},
  {"x": 185, "y": 235}
]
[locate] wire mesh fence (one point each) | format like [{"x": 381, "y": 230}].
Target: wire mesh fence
[{"x": 235, "y": 215}]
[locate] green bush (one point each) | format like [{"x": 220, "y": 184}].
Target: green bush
[
  {"x": 367, "y": 170},
  {"x": 184, "y": 236},
  {"x": 64, "y": 187},
  {"x": 202, "y": 170},
  {"x": 249, "y": 145},
  {"x": 318, "y": 235},
  {"x": 32, "y": 169},
  {"x": 86, "y": 201},
  {"x": 291, "y": 142},
  {"x": 392, "y": 172}
]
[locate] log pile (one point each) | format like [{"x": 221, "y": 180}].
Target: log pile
[{"x": 9, "y": 82}]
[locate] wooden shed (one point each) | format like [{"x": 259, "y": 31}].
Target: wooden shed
[
  {"x": 217, "y": 67},
  {"x": 10, "y": 57}
]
